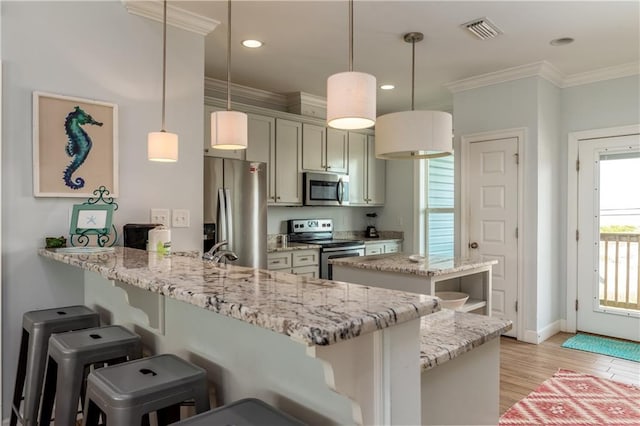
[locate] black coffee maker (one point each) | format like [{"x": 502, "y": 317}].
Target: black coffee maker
[{"x": 371, "y": 231}]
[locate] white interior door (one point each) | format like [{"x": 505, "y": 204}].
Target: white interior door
[
  {"x": 492, "y": 194},
  {"x": 609, "y": 229}
]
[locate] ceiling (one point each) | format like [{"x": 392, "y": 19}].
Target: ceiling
[{"x": 307, "y": 41}]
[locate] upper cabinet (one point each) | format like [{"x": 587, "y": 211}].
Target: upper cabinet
[
  {"x": 291, "y": 146},
  {"x": 376, "y": 174},
  {"x": 287, "y": 162},
  {"x": 336, "y": 158},
  {"x": 366, "y": 172},
  {"x": 261, "y": 147},
  {"x": 211, "y": 152},
  {"x": 324, "y": 149}
]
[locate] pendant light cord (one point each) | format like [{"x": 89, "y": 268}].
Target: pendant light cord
[
  {"x": 413, "y": 71},
  {"x": 164, "y": 63},
  {"x": 229, "y": 56},
  {"x": 350, "y": 35}
]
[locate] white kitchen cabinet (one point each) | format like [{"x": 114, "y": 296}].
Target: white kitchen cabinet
[
  {"x": 262, "y": 136},
  {"x": 324, "y": 149},
  {"x": 336, "y": 157},
  {"x": 287, "y": 163},
  {"x": 314, "y": 139},
  {"x": 376, "y": 174},
  {"x": 212, "y": 152},
  {"x": 298, "y": 262},
  {"x": 371, "y": 248},
  {"x": 366, "y": 172}
]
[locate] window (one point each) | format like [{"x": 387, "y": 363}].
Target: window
[{"x": 439, "y": 207}]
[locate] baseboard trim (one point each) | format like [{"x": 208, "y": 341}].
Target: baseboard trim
[{"x": 537, "y": 337}]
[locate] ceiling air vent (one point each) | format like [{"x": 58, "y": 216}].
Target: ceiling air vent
[{"x": 482, "y": 28}]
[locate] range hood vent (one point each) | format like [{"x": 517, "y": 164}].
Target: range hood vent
[{"x": 482, "y": 28}]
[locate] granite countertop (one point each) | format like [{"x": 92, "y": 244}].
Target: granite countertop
[
  {"x": 381, "y": 240},
  {"x": 277, "y": 247},
  {"x": 312, "y": 311},
  {"x": 399, "y": 262},
  {"x": 448, "y": 334}
]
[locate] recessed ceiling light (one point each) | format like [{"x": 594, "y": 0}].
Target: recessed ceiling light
[
  {"x": 253, "y": 44},
  {"x": 387, "y": 87},
  {"x": 561, "y": 41}
]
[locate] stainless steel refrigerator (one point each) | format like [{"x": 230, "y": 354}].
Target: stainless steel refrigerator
[{"x": 235, "y": 200}]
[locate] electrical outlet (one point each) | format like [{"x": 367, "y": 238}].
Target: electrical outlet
[
  {"x": 161, "y": 216},
  {"x": 181, "y": 218}
]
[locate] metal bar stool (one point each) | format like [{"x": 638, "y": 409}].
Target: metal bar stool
[
  {"x": 37, "y": 327},
  {"x": 244, "y": 412},
  {"x": 127, "y": 392},
  {"x": 70, "y": 357}
]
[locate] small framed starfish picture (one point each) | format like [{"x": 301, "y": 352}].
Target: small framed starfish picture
[
  {"x": 91, "y": 219},
  {"x": 75, "y": 146}
]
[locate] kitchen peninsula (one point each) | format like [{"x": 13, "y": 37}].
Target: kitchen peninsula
[{"x": 326, "y": 352}]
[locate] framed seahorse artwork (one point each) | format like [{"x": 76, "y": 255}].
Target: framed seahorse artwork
[{"x": 75, "y": 146}]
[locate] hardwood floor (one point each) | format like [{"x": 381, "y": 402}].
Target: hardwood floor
[{"x": 523, "y": 366}]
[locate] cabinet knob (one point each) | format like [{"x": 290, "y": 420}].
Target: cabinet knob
[
  {"x": 328, "y": 167},
  {"x": 273, "y": 198},
  {"x": 473, "y": 245},
  {"x": 277, "y": 198}
]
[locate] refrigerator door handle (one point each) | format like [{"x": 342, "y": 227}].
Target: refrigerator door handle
[
  {"x": 222, "y": 216},
  {"x": 229, "y": 214}
]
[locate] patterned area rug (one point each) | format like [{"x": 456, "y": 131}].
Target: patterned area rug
[
  {"x": 602, "y": 345},
  {"x": 570, "y": 398}
]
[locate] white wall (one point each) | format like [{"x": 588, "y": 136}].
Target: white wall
[
  {"x": 600, "y": 105},
  {"x": 503, "y": 106},
  {"x": 549, "y": 238},
  {"x": 92, "y": 50},
  {"x": 399, "y": 213}
]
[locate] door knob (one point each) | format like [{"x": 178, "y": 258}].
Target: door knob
[{"x": 473, "y": 245}]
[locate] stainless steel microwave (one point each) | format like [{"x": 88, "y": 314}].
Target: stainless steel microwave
[{"x": 326, "y": 189}]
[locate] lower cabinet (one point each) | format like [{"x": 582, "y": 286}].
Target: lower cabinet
[
  {"x": 298, "y": 262},
  {"x": 382, "y": 247}
]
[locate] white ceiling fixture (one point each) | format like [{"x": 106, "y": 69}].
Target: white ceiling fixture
[
  {"x": 351, "y": 96},
  {"x": 482, "y": 28},
  {"x": 229, "y": 129},
  {"x": 252, "y": 44},
  {"x": 387, "y": 87},
  {"x": 414, "y": 135},
  {"x": 162, "y": 145}
]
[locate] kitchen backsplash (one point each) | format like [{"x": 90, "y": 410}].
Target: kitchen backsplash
[{"x": 344, "y": 218}]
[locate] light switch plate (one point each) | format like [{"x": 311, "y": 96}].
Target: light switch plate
[
  {"x": 161, "y": 216},
  {"x": 181, "y": 218}
]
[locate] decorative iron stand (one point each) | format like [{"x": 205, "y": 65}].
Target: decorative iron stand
[{"x": 104, "y": 237}]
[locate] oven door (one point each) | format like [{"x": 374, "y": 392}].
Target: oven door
[
  {"x": 326, "y": 189},
  {"x": 326, "y": 270}
]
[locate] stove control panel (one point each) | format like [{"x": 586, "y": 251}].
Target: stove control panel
[{"x": 297, "y": 226}]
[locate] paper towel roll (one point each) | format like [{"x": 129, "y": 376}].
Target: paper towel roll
[{"x": 159, "y": 240}]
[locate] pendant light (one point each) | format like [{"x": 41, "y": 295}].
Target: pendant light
[
  {"x": 414, "y": 134},
  {"x": 162, "y": 145},
  {"x": 229, "y": 129},
  {"x": 351, "y": 96}
]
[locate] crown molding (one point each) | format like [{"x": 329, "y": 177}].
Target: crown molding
[
  {"x": 176, "y": 17},
  {"x": 609, "y": 73},
  {"x": 547, "y": 71},
  {"x": 542, "y": 69},
  {"x": 247, "y": 95}
]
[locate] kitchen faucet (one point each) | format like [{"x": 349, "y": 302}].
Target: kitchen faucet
[
  {"x": 209, "y": 255},
  {"x": 226, "y": 254}
]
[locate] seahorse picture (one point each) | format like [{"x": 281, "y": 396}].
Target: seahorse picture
[
  {"x": 79, "y": 145},
  {"x": 75, "y": 146}
]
